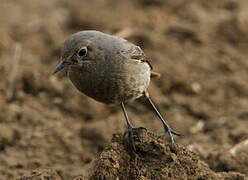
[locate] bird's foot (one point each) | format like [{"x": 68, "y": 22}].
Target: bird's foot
[
  {"x": 129, "y": 137},
  {"x": 170, "y": 132}
]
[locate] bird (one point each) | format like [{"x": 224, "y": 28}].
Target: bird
[{"x": 110, "y": 70}]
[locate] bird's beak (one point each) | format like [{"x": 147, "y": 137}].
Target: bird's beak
[{"x": 60, "y": 66}]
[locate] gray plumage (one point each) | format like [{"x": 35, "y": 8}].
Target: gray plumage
[{"x": 111, "y": 72}]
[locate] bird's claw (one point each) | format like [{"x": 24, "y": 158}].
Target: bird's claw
[
  {"x": 129, "y": 137},
  {"x": 171, "y": 132}
]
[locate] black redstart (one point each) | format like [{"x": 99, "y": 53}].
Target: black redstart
[{"x": 110, "y": 70}]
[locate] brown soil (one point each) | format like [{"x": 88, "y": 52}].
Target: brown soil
[
  {"x": 153, "y": 160},
  {"x": 50, "y": 130}
]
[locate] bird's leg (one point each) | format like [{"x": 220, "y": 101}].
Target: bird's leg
[
  {"x": 129, "y": 134},
  {"x": 167, "y": 128}
]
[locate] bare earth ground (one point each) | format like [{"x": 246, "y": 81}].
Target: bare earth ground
[{"x": 49, "y": 129}]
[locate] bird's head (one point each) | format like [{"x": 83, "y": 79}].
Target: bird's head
[{"x": 76, "y": 51}]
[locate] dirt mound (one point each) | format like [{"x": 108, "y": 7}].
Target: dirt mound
[{"x": 154, "y": 160}]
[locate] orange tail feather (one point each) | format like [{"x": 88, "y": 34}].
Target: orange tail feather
[{"x": 155, "y": 74}]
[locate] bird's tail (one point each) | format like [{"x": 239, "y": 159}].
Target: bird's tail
[{"x": 155, "y": 74}]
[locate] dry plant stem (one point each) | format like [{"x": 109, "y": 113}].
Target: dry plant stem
[{"x": 13, "y": 71}]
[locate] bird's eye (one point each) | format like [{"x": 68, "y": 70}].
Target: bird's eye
[{"x": 82, "y": 52}]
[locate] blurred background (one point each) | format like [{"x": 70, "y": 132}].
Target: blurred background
[{"x": 199, "y": 47}]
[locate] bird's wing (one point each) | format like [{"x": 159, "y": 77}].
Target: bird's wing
[{"x": 137, "y": 54}]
